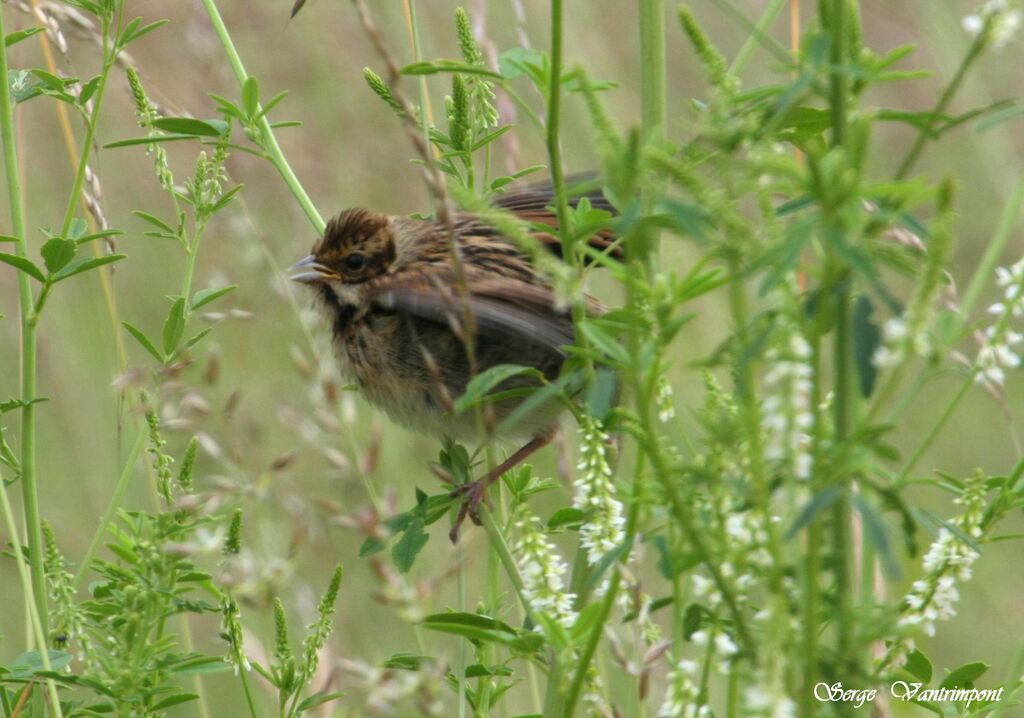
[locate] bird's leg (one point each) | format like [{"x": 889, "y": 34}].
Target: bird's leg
[{"x": 475, "y": 491}]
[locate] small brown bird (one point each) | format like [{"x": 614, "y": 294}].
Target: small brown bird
[{"x": 388, "y": 286}]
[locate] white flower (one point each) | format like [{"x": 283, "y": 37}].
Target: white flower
[
  {"x": 542, "y": 570},
  {"x": 725, "y": 645},
  {"x": 604, "y": 528},
  {"x": 973, "y": 24},
  {"x": 1004, "y": 22},
  {"x": 666, "y": 409}
]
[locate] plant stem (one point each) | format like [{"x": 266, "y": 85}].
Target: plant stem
[
  {"x": 841, "y": 510},
  {"x": 88, "y": 141},
  {"x": 29, "y": 486},
  {"x": 553, "y": 145},
  {"x": 752, "y": 42},
  {"x": 653, "y": 111},
  {"x": 115, "y": 500},
  {"x": 983, "y": 274},
  {"x": 945, "y": 98},
  {"x": 933, "y": 432},
  {"x": 273, "y": 150},
  {"x": 35, "y": 618},
  {"x": 842, "y": 543}
]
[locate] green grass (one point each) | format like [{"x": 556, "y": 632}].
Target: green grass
[{"x": 314, "y": 469}]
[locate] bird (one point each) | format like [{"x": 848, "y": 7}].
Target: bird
[{"x": 412, "y": 325}]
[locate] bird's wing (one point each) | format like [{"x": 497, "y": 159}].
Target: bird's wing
[
  {"x": 535, "y": 204},
  {"x": 502, "y": 308}
]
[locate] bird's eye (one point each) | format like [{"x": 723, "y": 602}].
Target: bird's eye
[{"x": 355, "y": 261}]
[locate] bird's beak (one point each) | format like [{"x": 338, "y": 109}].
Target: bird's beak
[{"x": 309, "y": 271}]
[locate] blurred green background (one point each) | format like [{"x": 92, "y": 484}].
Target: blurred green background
[{"x": 275, "y": 439}]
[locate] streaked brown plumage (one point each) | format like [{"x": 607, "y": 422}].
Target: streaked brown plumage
[{"x": 388, "y": 286}]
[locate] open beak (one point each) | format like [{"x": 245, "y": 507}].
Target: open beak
[{"x": 309, "y": 271}]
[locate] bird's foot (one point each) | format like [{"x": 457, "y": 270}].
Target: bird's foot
[{"x": 473, "y": 495}]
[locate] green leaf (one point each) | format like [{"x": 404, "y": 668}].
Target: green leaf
[
  {"x": 51, "y": 80},
  {"x": 174, "y": 325},
  {"x": 999, "y": 118},
  {"x": 567, "y": 516},
  {"x": 9, "y": 238},
  {"x": 78, "y": 228},
  {"x": 502, "y": 181},
  {"x": 472, "y": 626},
  {"x": 601, "y": 393},
  {"x": 566, "y": 382},
  {"x": 414, "y": 538},
  {"x": 97, "y": 235},
  {"x": 175, "y": 700},
  {"x": 27, "y": 664},
  {"x": 877, "y": 534},
  {"x": 317, "y": 699},
  {"x": 406, "y": 661},
  {"x": 483, "y": 382},
  {"x": 605, "y": 342},
  {"x": 12, "y": 404},
  {"x": 371, "y": 546},
  {"x": 190, "y": 125},
  {"x": 866, "y": 339},
  {"x": 478, "y": 670},
  {"x": 693, "y": 616},
  {"x": 225, "y": 199},
  {"x": 23, "y": 265},
  {"x": 819, "y": 502},
  {"x": 432, "y": 68},
  {"x": 805, "y": 122},
  {"x": 89, "y": 89},
  {"x": 965, "y": 675},
  {"x": 585, "y": 623},
  {"x": 57, "y": 252},
  {"x": 84, "y": 265},
  {"x": 205, "y": 296},
  {"x": 148, "y": 140},
  {"x": 919, "y": 666},
  {"x": 489, "y": 138},
  {"x": 139, "y": 32},
  {"x": 197, "y": 338},
  {"x": 274, "y": 102},
  {"x": 251, "y": 95},
  {"x": 155, "y": 221},
  {"x": 512, "y": 62},
  {"x": 19, "y": 35}
]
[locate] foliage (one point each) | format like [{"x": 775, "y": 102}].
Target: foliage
[{"x": 726, "y": 558}]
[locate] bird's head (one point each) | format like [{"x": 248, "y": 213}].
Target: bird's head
[{"x": 357, "y": 246}]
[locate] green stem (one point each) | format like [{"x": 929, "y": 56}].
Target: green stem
[
  {"x": 1013, "y": 683},
  {"x": 945, "y": 98},
  {"x": 87, "y": 143},
  {"x": 936, "y": 428},
  {"x": 983, "y": 274},
  {"x": 500, "y": 547},
  {"x": 29, "y": 486},
  {"x": 752, "y": 42},
  {"x": 115, "y": 500},
  {"x": 653, "y": 111},
  {"x": 842, "y": 517},
  {"x": 553, "y": 144},
  {"x": 589, "y": 649},
  {"x": 272, "y": 148},
  {"x": 35, "y": 618},
  {"x": 811, "y": 578}
]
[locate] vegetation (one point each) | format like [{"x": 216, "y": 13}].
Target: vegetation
[{"x": 752, "y": 524}]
